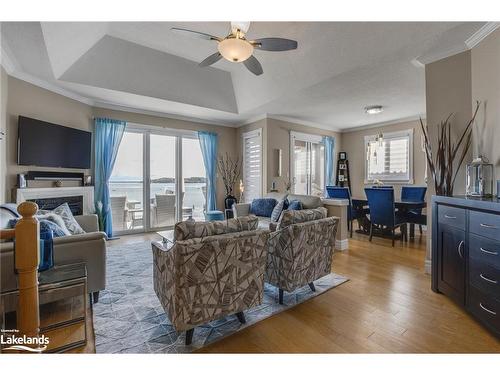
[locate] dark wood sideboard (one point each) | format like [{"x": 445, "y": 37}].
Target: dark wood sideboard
[{"x": 466, "y": 255}]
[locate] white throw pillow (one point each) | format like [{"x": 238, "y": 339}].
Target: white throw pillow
[
  {"x": 67, "y": 216},
  {"x": 55, "y": 218}
]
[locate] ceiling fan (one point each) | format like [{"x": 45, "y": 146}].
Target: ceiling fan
[{"x": 236, "y": 48}]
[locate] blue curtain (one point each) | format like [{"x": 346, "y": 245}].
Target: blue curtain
[
  {"x": 108, "y": 135},
  {"x": 329, "y": 158},
  {"x": 208, "y": 144}
]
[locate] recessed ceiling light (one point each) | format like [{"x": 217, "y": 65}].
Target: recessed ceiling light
[{"x": 374, "y": 109}]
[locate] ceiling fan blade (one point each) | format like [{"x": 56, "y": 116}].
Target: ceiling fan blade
[
  {"x": 212, "y": 59},
  {"x": 253, "y": 65},
  {"x": 274, "y": 44},
  {"x": 194, "y": 34},
  {"x": 240, "y": 25}
]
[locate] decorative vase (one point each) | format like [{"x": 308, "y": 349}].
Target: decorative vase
[{"x": 229, "y": 201}]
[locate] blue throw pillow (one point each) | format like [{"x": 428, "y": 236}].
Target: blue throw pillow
[
  {"x": 295, "y": 205},
  {"x": 48, "y": 231},
  {"x": 45, "y": 226},
  {"x": 263, "y": 206},
  {"x": 278, "y": 209}
]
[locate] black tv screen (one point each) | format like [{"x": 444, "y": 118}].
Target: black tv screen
[{"x": 44, "y": 144}]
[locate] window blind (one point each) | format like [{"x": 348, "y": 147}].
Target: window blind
[
  {"x": 389, "y": 159},
  {"x": 252, "y": 165}
]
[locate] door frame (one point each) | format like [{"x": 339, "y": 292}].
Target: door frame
[
  {"x": 308, "y": 138},
  {"x": 147, "y": 131}
]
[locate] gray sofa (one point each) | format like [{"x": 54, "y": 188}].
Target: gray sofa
[
  {"x": 89, "y": 248},
  {"x": 308, "y": 202}
]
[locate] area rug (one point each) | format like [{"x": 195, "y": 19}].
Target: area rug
[{"x": 130, "y": 319}]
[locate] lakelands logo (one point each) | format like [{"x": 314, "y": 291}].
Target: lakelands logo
[{"x": 10, "y": 341}]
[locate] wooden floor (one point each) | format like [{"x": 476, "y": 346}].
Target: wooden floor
[{"x": 386, "y": 307}]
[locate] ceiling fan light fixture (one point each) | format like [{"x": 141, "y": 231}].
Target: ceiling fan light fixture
[
  {"x": 235, "y": 49},
  {"x": 374, "y": 109}
]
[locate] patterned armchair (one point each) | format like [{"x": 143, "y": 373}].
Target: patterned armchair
[
  {"x": 214, "y": 269},
  {"x": 301, "y": 249}
]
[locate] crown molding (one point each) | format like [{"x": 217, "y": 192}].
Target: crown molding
[
  {"x": 50, "y": 87},
  {"x": 443, "y": 54},
  {"x": 385, "y": 123},
  {"x": 251, "y": 120},
  {"x": 470, "y": 43},
  {"x": 118, "y": 107},
  {"x": 481, "y": 34},
  {"x": 309, "y": 124}
]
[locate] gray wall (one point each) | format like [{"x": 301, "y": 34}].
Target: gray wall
[
  {"x": 32, "y": 101},
  {"x": 276, "y": 135},
  {"x": 354, "y": 144},
  {"x": 485, "y": 66}
]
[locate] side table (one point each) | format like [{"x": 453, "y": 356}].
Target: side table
[{"x": 62, "y": 293}]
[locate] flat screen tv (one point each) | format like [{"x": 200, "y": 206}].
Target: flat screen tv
[{"x": 44, "y": 144}]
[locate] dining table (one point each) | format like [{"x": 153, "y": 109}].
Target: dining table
[{"x": 360, "y": 205}]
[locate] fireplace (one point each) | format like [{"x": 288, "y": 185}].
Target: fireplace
[
  {"x": 75, "y": 203},
  {"x": 79, "y": 198}
]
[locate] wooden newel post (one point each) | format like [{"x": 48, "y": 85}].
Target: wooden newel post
[{"x": 27, "y": 253}]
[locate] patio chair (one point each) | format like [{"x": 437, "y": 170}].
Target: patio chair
[
  {"x": 119, "y": 212},
  {"x": 164, "y": 209}
]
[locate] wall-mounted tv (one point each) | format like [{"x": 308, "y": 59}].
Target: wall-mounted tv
[{"x": 43, "y": 144}]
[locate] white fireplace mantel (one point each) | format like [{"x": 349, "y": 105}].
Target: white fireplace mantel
[{"x": 87, "y": 192}]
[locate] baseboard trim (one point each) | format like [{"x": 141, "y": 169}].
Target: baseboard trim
[
  {"x": 342, "y": 244},
  {"x": 428, "y": 266}
]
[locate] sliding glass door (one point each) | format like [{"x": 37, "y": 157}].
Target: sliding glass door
[
  {"x": 126, "y": 185},
  {"x": 162, "y": 177},
  {"x": 307, "y": 161},
  {"x": 155, "y": 173},
  {"x": 194, "y": 182}
]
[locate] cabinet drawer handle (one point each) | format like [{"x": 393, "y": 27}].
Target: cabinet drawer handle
[
  {"x": 449, "y": 217},
  {"x": 487, "y": 310},
  {"x": 488, "y": 252},
  {"x": 488, "y": 226},
  {"x": 460, "y": 245},
  {"x": 487, "y": 279}
]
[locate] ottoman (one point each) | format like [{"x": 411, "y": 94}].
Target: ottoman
[{"x": 214, "y": 215}]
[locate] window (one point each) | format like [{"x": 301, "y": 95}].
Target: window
[
  {"x": 308, "y": 164},
  {"x": 252, "y": 165},
  {"x": 389, "y": 158}
]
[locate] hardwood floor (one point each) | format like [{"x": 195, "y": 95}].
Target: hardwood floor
[{"x": 386, "y": 307}]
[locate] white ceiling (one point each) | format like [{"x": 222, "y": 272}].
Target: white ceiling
[{"x": 337, "y": 70}]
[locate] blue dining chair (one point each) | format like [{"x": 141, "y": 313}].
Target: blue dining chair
[
  {"x": 338, "y": 192},
  {"x": 383, "y": 212},
  {"x": 417, "y": 194}
]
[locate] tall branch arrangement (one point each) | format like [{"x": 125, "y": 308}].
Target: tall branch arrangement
[
  {"x": 442, "y": 165},
  {"x": 230, "y": 171}
]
